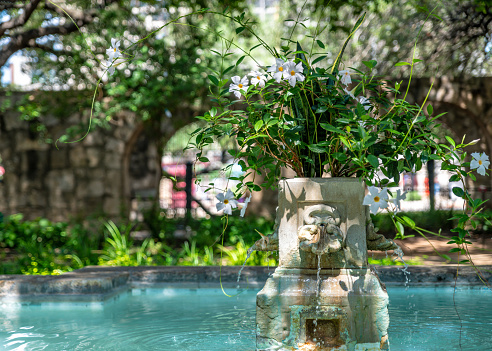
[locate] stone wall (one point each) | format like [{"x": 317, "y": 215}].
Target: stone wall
[{"x": 99, "y": 174}]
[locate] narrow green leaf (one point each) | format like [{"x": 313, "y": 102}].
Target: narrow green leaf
[
  {"x": 213, "y": 79},
  {"x": 228, "y": 69},
  {"x": 409, "y": 221},
  {"x": 239, "y": 29},
  {"x": 450, "y": 140},
  {"x": 334, "y": 68},
  {"x": 320, "y": 44},
  {"x": 317, "y": 59},
  {"x": 402, "y": 64},
  {"x": 400, "y": 228},
  {"x": 238, "y": 62}
]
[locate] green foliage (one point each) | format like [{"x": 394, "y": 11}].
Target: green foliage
[
  {"x": 207, "y": 231},
  {"x": 44, "y": 247},
  {"x": 391, "y": 261},
  {"x": 119, "y": 251},
  {"x": 430, "y": 220},
  {"x": 413, "y": 196},
  {"x": 314, "y": 125},
  {"x": 236, "y": 255}
]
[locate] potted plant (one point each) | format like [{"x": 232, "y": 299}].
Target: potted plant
[{"x": 337, "y": 128}]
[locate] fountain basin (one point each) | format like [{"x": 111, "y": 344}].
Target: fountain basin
[{"x": 171, "y": 308}]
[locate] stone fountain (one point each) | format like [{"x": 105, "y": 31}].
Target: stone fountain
[{"x": 323, "y": 295}]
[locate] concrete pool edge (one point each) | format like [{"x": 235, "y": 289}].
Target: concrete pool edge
[{"x": 97, "y": 283}]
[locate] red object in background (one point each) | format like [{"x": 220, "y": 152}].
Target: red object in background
[
  {"x": 178, "y": 198},
  {"x": 2, "y": 171}
]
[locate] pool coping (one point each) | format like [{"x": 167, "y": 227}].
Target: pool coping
[{"x": 99, "y": 283}]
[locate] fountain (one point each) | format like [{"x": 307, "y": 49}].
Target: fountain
[{"x": 323, "y": 295}]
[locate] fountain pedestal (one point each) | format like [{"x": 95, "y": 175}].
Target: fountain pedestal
[{"x": 322, "y": 296}]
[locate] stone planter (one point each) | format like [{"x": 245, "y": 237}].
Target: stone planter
[{"x": 322, "y": 296}]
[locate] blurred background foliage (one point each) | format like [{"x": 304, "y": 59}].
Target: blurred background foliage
[
  {"x": 44, "y": 247},
  {"x": 169, "y": 70}
]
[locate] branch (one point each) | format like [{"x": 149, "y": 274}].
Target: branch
[
  {"x": 27, "y": 38},
  {"x": 21, "y": 19},
  {"x": 9, "y": 4}
]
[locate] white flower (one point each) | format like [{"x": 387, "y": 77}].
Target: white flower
[
  {"x": 345, "y": 77},
  {"x": 350, "y": 93},
  {"x": 114, "y": 51},
  {"x": 258, "y": 79},
  {"x": 238, "y": 83},
  {"x": 278, "y": 68},
  {"x": 364, "y": 102},
  {"x": 226, "y": 202},
  {"x": 480, "y": 161},
  {"x": 376, "y": 199},
  {"x": 396, "y": 200},
  {"x": 245, "y": 205},
  {"x": 293, "y": 73}
]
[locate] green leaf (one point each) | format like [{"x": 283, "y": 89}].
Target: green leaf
[
  {"x": 402, "y": 64},
  {"x": 258, "y": 124},
  {"x": 320, "y": 44},
  {"x": 400, "y": 228},
  {"x": 430, "y": 109},
  {"x": 408, "y": 221},
  {"x": 454, "y": 178},
  {"x": 213, "y": 79},
  {"x": 228, "y": 69},
  {"x": 416, "y": 60},
  {"x": 439, "y": 18},
  {"x": 317, "y": 59},
  {"x": 373, "y": 160},
  {"x": 239, "y": 29},
  {"x": 330, "y": 128},
  {"x": 458, "y": 191},
  {"x": 446, "y": 257},
  {"x": 317, "y": 149},
  {"x": 370, "y": 64},
  {"x": 238, "y": 62},
  {"x": 203, "y": 159},
  {"x": 213, "y": 111},
  {"x": 450, "y": 140},
  {"x": 356, "y": 26}
]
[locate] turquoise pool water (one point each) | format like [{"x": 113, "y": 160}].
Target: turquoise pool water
[{"x": 422, "y": 319}]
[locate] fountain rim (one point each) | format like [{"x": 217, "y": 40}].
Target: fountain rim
[{"x": 99, "y": 283}]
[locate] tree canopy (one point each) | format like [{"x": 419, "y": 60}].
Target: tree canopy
[{"x": 170, "y": 69}]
